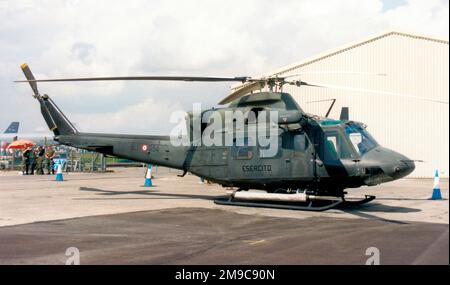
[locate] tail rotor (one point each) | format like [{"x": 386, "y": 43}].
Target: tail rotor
[
  {"x": 56, "y": 121},
  {"x": 30, "y": 77}
]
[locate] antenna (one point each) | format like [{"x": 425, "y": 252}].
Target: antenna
[{"x": 326, "y": 100}]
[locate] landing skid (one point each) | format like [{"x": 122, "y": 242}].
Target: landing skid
[
  {"x": 356, "y": 202},
  {"x": 314, "y": 206}
]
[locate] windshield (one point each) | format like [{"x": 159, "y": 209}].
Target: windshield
[{"x": 360, "y": 138}]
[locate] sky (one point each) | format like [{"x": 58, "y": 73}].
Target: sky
[{"x": 81, "y": 38}]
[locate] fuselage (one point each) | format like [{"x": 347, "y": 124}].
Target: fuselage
[
  {"x": 312, "y": 153},
  {"x": 319, "y": 154}
]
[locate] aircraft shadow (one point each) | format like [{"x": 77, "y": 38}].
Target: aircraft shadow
[
  {"x": 372, "y": 217},
  {"x": 363, "y": 211},
  {"x": 375, "y": 207}
]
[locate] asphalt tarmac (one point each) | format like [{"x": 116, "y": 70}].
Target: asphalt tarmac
[{"x": 209, "y": 236}]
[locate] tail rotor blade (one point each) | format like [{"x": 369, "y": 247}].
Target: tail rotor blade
[{"x": 30, "y": 77}]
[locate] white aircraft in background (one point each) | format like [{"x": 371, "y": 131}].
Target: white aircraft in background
[{"x": 12, "y": 134}]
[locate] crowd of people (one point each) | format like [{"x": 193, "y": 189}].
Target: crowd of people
[{"x": 37, "y": 159}]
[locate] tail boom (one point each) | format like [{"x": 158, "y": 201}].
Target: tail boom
[
  {"x": 56, "y": 121},
  {"x": 147, "y": 149}
]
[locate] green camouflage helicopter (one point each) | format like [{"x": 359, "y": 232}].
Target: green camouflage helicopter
[{"x": 314, "y": 161}]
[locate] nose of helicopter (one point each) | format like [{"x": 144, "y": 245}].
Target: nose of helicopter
[
  {"x": 393, "y": 164},
  {"x": 397, "y": 165},
  {"x": 403, "y": 167}
]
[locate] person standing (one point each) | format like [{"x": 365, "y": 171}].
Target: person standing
[
  {"x": 32, "y": 161},
  {"x": 40, "y": 160},
  {"x": 49, "y": 156},
  {"x": 26, "y": 161}
]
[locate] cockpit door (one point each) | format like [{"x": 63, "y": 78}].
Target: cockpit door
[
  {"x": 302, "y": 160},
  {"x": 338, "y": 156}
]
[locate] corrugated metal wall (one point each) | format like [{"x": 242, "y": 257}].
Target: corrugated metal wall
[{"x": 414, "y": 66}]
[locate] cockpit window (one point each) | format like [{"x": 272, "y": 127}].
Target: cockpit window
[
  {"x": 335, "y": 146},
  {"x": 360, "y": 139}
]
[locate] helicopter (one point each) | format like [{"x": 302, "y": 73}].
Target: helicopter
[{"x": 315, "y": 159}]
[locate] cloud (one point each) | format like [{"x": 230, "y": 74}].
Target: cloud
[
  {"x": 84, "y": 52},
  {"x": 196, "y": 37},
  {"x": 147, "y": 117},
  {"x": 423, "y": 17}
]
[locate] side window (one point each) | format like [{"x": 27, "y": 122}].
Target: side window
[
  {"x": 331, "y": 147},
  {"x": 356, "y": 139},
  {"x": 242, "y": 152}
]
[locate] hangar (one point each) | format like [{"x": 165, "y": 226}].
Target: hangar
[{"x": 409, "y": 64}]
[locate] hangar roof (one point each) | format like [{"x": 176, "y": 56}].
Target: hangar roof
[
  {"x": 369, "y": 40},
  {"x": 345, "y": 48}
]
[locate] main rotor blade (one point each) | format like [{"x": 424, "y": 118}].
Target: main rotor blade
[
  {"x": 334, "y": 72},
  {"x": 143, "y": 78},
  {"x": 284, "y": 77},
  {"x": 345, "y": 88}
]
